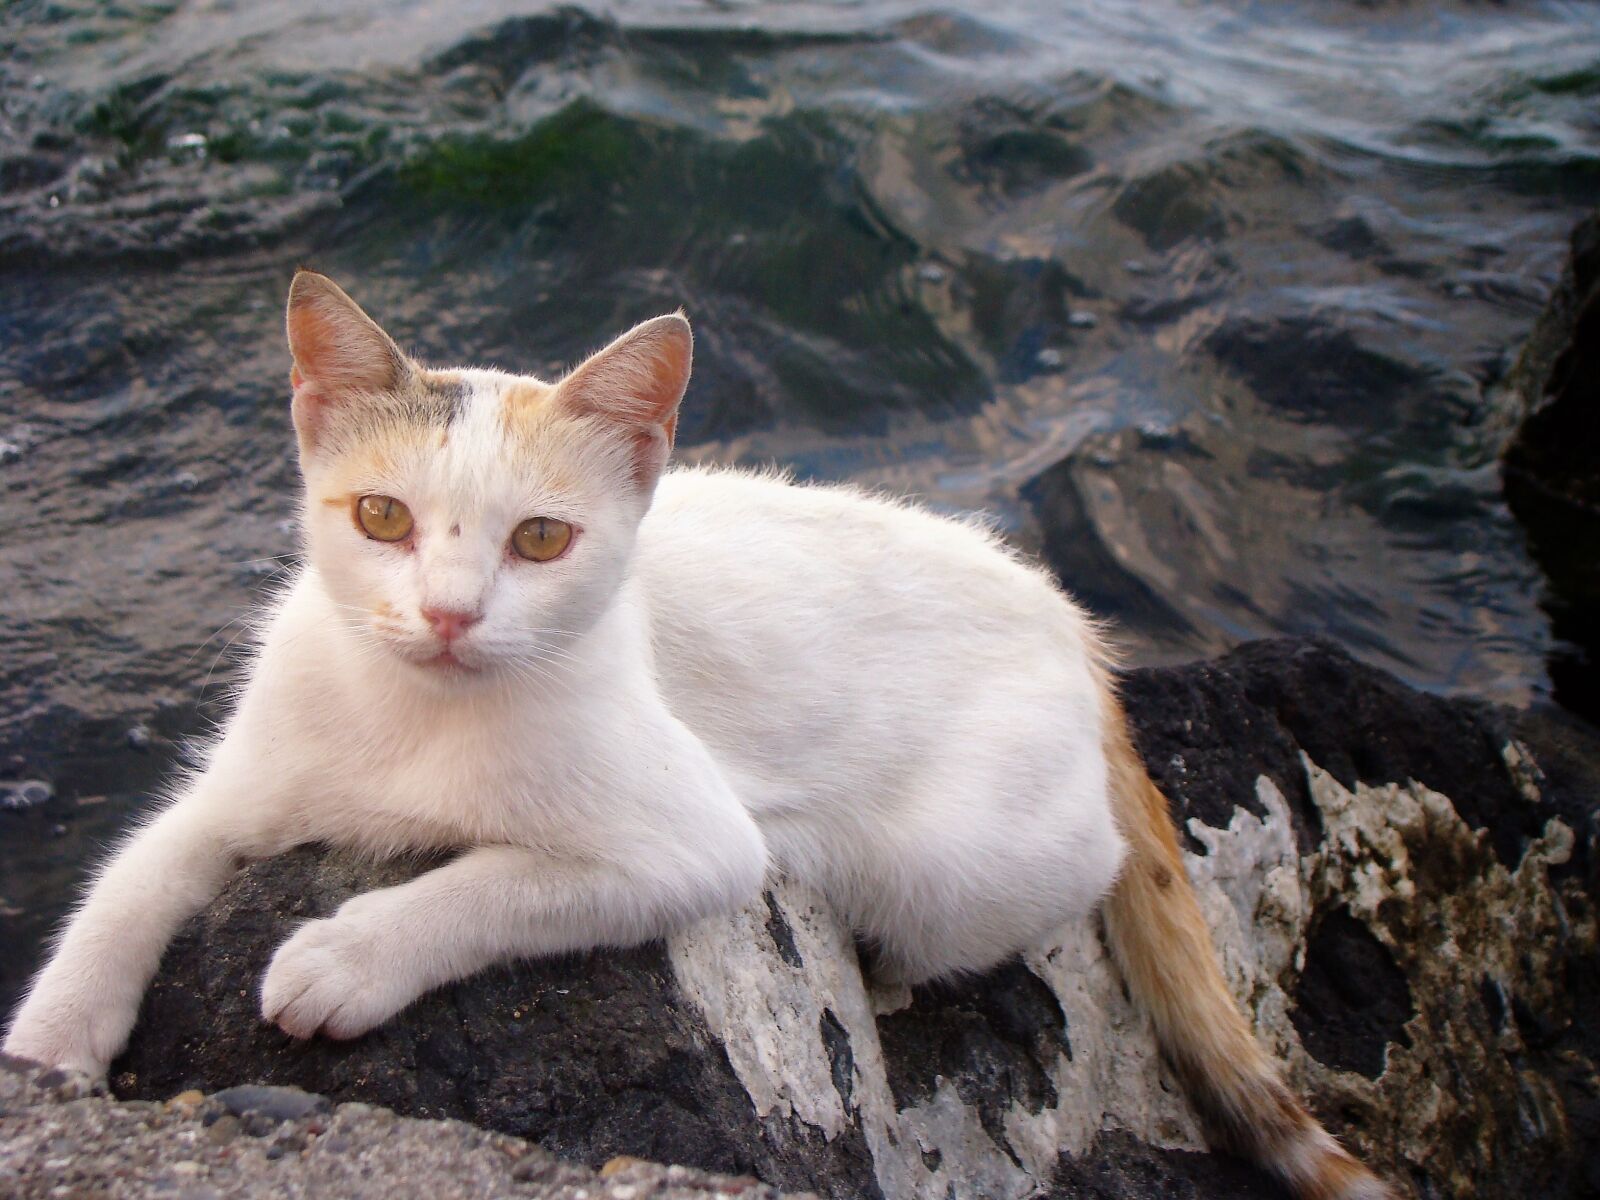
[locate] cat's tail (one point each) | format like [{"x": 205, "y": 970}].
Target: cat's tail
[{"x": 1160, "y": 940}]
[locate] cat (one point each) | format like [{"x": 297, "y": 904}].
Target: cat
[{"x": 627, "y": 695}]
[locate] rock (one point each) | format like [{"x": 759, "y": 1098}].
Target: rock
[
  {"x": 1403, "y": 892},
  {"x": 26, "y": 793},
  {"x": 593, "y": 1055},
  {"x": 1315, "y": 371},
  {"x": 274, "y": 1103},
  {"x": 1552, "y": 464},
  {"x": 1207, "y": 190},
  {"x": 69, "y": 1141}
]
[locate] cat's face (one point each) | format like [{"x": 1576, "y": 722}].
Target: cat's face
[{"x": 470, "y": 523}]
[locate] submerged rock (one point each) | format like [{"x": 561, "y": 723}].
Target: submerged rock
[
  {"x": 1552, "y": 464},
  {"x": 1402, "y": 889}
]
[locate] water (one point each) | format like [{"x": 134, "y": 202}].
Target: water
[{"x": 1205, "y": 302}]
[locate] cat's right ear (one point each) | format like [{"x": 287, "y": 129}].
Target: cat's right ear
[
  {"x": 633, "y": 387},
  {"x": 340, "y": 354}
]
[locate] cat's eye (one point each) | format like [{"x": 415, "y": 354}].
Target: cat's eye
[
  {"x": 383, "y": 518},
  {"x": 541, "y": 538}
]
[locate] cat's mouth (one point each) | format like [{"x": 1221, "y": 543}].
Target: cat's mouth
[
  {"x": 446, "y": 661},
  {"x": 438, "y": 658}
]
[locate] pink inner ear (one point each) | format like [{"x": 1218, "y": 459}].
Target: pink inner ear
[
  {"x": 336, "y": 346},
  {"x": 634, "y": 386},
  {"x": 636, "y": 380},
  {"x": 340, "y": 354},
  {"x": 310, "y": 343},
  {"x": 669, "y": 374}
]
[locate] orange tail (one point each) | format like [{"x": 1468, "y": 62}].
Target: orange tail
[{"x": 1161, "y": 942}]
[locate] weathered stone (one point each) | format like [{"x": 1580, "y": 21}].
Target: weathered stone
[
  {"x": 1403, "y": 893},
  {"x": 80, "y": 1143}
]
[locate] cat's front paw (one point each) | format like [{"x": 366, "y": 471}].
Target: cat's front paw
[
  {"x": 63, "y": 1034},
  {"x": 333, "y": 977}
]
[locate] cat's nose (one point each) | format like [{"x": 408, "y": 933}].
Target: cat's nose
[{"x": 449, "y": 623}]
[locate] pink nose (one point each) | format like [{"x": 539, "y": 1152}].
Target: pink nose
[{"x": 449, "y": 624}]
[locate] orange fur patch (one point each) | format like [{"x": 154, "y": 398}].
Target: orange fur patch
[{"x": 522, "y": 400}]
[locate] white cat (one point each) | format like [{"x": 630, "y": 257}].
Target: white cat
[{"x": 626, "y": 697}]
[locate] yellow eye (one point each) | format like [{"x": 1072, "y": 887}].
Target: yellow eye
[
  {"x": 541, "y": 538},
  {"x": 383, "y": 518}
]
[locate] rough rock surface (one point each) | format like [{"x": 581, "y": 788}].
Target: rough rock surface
[
  {"x": 1552, "y": 464},
  {"x": 1403, "y": 893},
  {"x": 61, "y": 1137}
]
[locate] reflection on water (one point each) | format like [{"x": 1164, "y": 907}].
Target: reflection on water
[{"x": 1207, "y": 303}]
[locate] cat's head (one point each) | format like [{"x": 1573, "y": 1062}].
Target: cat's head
[{"x": 471, "y": 523}]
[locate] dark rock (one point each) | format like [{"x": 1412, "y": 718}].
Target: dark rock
[
  {"x": 841, "y": 1058},
  {"x": 592, "y": 1056},
  {"x": 782, "y": 935},
  {"x": 1552, "y": 465},
  {"x": 1352, "y": 999},
  {"x": 992, "y": 1037},
  {"x": 1402, "y": 886},
  {"x": 1315, "y": 372},
  {"x": 1563, "y": 752},
  {"x": 1212, "y": 727},
  {"x": 1121, "y": 1166},
  {"x": 1205, "y": 742}
]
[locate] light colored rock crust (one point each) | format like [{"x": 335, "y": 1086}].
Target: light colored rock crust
[{"x": 1380, "y": 858}]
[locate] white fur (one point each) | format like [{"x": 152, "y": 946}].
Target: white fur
[{"x": 744, "y": 676}]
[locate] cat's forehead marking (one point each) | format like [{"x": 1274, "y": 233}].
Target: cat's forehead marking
[
  {"x": 465, "y": 437},
  {"x": 435, "y": 397},
  {"x": 424, "y": 399}
]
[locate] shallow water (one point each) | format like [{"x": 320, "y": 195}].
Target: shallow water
[{"x": 1207, "y": 303}]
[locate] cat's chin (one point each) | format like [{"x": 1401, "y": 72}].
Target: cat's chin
[{"x": 445, "y": 667}]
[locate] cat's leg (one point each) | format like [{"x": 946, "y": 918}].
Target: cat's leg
[
  {"x": 343, "y": 975},
  {"x": 81, "y": 1007}
]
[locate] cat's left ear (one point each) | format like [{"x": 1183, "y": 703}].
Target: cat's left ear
[
  {"x": 341, "y": 356},
  {"x": 634, "y": 385}
]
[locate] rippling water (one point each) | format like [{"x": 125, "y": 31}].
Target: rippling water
[{"x": 1206, "y": 302}]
